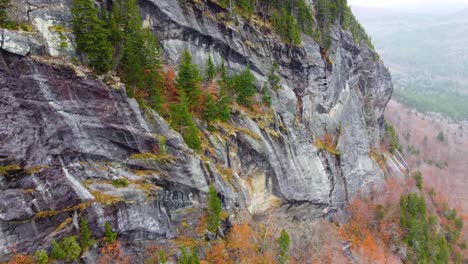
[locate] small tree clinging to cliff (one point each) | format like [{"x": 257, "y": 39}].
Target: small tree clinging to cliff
[
  {"x": 284, "y": 242},
  {"x": 86, "y": 240},
  {"x": 181, "y": 120},
  {"x": 214, "y": 210},
  {"x": 91, "y": 35},
  {"x": 210, "y": 68},
  {"x": 189, "y": 79}
]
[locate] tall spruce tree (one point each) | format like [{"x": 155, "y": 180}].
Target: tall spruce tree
[
  {"x": 210, "y": 68},
  {"x": 181, "y": 120},
  {"x": 136, "y": 52},
  {"x": 224, "y": 101},
  {"x": 243, "y": 85},
  {"x": 91, "y": 35},
  {"x": 214, "y": 210},
  {"x": 273, "y": 77},
  {"x": 4, "y": 5},
  {"x": 210, "y": 113},
  {"x": 189, "y": 79},
  {"x": 86, "y": 235},
  {"x": 284, "y": 243}
]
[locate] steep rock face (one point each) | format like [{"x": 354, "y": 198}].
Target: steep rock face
[
  {"x": 348, "y": 96},
  {"x": 66, "y": 134}
]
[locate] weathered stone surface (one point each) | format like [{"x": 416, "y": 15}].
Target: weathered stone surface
[{"x": 72, "y": 134}]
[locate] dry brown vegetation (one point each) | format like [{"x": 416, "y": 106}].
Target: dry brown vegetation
[{"x": 443, "y": 163}]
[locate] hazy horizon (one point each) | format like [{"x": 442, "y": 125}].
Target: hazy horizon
[{"x": 433, "y": 6}]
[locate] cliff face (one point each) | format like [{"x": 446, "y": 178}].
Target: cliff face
[{"x": 66, "y": 134}]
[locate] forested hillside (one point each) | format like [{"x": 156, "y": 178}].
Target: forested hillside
[{"x": 427, "y": 56}]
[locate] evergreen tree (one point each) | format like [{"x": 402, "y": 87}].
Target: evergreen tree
[
  {"x": 284, "y": 243},
  {"x": 224, "y": 101},
  {"x": 266, "y": 96},
  {"x": 194, "y": 259},
  {"x": 136, "y": 53},
  {"x": 41, "y": 257},
  {"x": 210, "y": 112},
  {"x": 162, "y": 256},
  {"x": 244, "y": 86},
  {"x": 223, "y": 107},
  {"x": 247, "y": 5},
  {"x": 273, "y": 77},
  {"x": 210, "y": 69},
  {"x": 181, "y": 120},
  {"x": 4, "y": 5},
  {"x": 223, "y": 72},
  {"x": 57, "y": 250},
  {"x": 71, "y": 248},
  {"x": 214, "y": 210},
  {"x": 323, "y": 13},
  {"x": 109, "y": 234},
  {"x": 185, "y": 258},
  {"x": 189, "y": 80},
  {"x": 91, "y": 35},
  {"x": 86, "y": 240},
  {"x": 305, "y": 19},
  {"x": 286, "y": 26}
]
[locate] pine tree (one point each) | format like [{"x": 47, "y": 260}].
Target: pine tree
[
  {"x": 247, "y": 5},
  {"x": 181, "y": 120},
  {"x": 189, "y": 80},
  {"x": 185, "y": 258},
  {"x": 266, "y": 96},
  {"x": 86, "y": 240},
  {"x": 91, "y": 35},
  {"x": 323, "y": 13},
  {"x": 4, "y": 5},
  {"x": 244, "y": 86},
  {"x": 210, "y": 112},
  {"x": 284, "y": 243},
  {"x": 137, "y": 55},
  {"x": 224, "y": 101},
  {"x": 41, "y": 257},
  {"x": 194, "y": 259},
  {"x": 162, "y": 256},
  {"x": 109, "y": 234},
  {"x": 273, "y": 77},
  {"x": 57, "y": 250},
  {"x": 223, "y": 107},
  {"x": 71, "y": 248},
  {"x": 210, "y": 69},
  {"x": 214, "y": 210}
]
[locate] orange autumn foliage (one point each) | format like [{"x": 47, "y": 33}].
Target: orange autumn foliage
[
  {"x": 170, "y": 88},
  {"x": 374, "y": 223},
  {"x": 113, "y": 254},
  {"x": 217, "y": 254},
  {"x": 243, "y": 246},
  {"x": 241, "y": 242},
  {"x": 21, "y": 259}
]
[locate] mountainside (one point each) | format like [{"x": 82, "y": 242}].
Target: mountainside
[
  {"x": 436, "y": 147},
  {"x": 74, "y": 145},
  {"x": 426, "y": 54}
]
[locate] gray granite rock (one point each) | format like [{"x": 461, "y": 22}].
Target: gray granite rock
[{"x": 72, "y": 134}]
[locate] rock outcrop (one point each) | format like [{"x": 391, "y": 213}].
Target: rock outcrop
[{"x": 66, "y": 134}]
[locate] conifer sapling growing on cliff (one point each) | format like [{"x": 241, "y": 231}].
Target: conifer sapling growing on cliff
[
  {"x": 86, "y": 240},
  {"x": 243, "y": 85},
  {"x": 210, "y": 68},
  {"x": 210, "y": 112},
  {"x": 284, "y": 242},
  {"x": 214, "y": 210},
  {"x": 109, "y": 234},
  {"x": 181, "y": 120},
  {"x": 91, "y": 35},
  {"x": 189, "y": 79}
]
